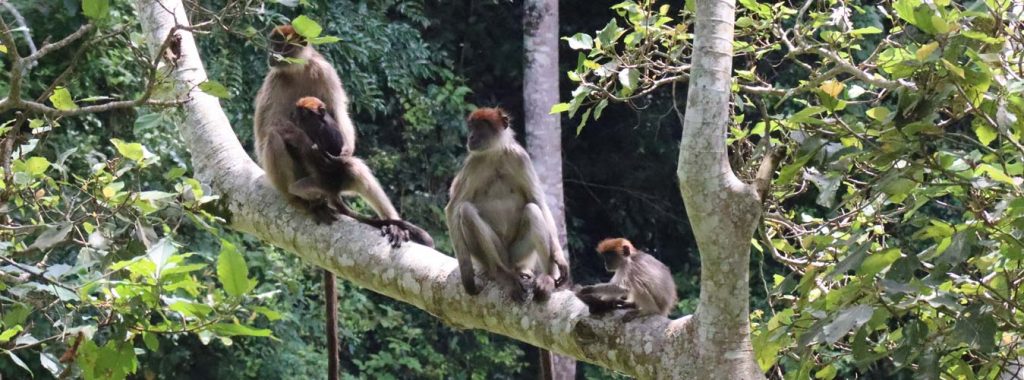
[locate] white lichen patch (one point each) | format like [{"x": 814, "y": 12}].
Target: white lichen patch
[
  {"x": 409, "y": 283},
  {"x": 648, "y": 348},
  {"x": 524, "y": 323}
]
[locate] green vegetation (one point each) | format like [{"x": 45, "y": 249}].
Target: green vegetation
[{"x": 893, "y": 235}]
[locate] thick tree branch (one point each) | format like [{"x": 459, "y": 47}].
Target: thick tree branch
[{"x": 649, "y": 347}]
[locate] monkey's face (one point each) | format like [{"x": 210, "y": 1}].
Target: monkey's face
[
  {"x": 612, "y": 260},
  {"x": 486, "y": 126},
  {"x": 482, "y": 136},
  {"x": 286, "y": 48}
]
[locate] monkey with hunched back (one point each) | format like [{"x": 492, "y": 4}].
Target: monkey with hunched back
[
  {"x": 314, "y": 143},
  {"x": 297, "y": 70},
  {"x": 641, "y": 282},
  {"x": 497, "y": 217}
]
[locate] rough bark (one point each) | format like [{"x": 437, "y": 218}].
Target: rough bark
[
  {"x": 722, "y": 209},
  {"x": 544, "y": 130}
]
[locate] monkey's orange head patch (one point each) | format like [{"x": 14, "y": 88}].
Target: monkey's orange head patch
[
  {"x": 618, "y": 245},
  {"x": 495, "y": 118},
  {"x": 311, "y": 103},
  {"x": 284, "y": 30}
]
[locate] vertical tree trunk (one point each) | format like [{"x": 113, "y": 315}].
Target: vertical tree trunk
[
  {"x": 722, "y": 209},
  {"x": 543, "y": 130}
]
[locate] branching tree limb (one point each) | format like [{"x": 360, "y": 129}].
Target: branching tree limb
[{"x": 649, "y": 347}]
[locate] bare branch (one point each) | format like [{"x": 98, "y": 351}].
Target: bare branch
[{"x": 51, "y": 47}]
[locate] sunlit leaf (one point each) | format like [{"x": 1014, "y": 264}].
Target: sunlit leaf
[
  {"x": 62, "y": 100},
  {"x": 232, "y": 270},
  {"x": 215, "y": 88},
  {"x": 96, "y": 9},
  {"x": 306, "y": 27}
]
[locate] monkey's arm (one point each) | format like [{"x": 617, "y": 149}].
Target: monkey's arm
[{"x": 605, "y": 297}]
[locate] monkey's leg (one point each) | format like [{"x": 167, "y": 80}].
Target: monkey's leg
[
  {"x": 366, "y": 186},
  {"x": 490, "y": 250},
  {"x": 316, "y": 198},
  {"x": 535, "y": 236},
  {"x": 604, "y": 297}
]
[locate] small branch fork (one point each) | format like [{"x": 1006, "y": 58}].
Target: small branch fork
[{"x": 20, "y": 64}]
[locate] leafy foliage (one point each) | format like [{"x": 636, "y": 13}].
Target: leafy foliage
[{"x": 897, "y": 210}]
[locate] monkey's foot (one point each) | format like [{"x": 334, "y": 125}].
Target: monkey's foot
[
  {"x": 323, "y": 214},
  {"x": 542, "y": 288},
  {"x": 395, "y": 234}
]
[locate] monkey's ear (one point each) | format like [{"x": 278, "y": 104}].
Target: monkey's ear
[
  {"x": 626, "y": 250},
  {"x": 505, "y": 120}
]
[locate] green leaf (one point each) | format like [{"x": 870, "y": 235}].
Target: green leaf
[
  {"x": 953, "y": 68},
  {"x": 96, "y": 9},
  {"x": 191, "y": 309},
  {"x": 847, "y": 320},
  {"x": 10, "y": 333},
  {"x": 905, "y": 9},
  {"x": 879, "y": 113},
  {"x": 61, "y": 99},
  {"x": 559, "y": 108},
  {"x": 131, "y": 151},
  {"x": 925, "y": 51},
  {"x": 3, "y": 48},
  {"x": 867, "y": 30},
  {"x": 232, "y": 271},
  {"x": 271, "y": 314},
  {"x": 986, "y": 134},
  {"x": 306, "y": 27},
  {"x": 629, "y": 78},
  {"x": 215, "y": 88},
  {"x": 19, "y": 362},
  {"x": 878, "y": 262},
  {"x": 976, "y": 328},
  {"x": 607, "y": 36},
  {"x": 151, "y": 341},
  {"x": 52, "y": 236},
  {"x": 233, "y": 329},
  {"x": 580, "y": 41},
  {"x": 35, "y": 166},
  {"x": 324, "y": 40}
]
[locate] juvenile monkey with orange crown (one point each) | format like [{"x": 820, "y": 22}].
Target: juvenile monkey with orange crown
[
  {"x": 497, "y": 217},
  {"x": 641, "y": 282}
]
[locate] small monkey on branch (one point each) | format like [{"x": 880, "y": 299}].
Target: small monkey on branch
[
  {"x": 497, "y": 217},
  {"x": 641, "y": 282}
]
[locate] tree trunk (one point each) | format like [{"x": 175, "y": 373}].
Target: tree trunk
[
  {"x": 722, "y": 209},
  {"x": 714, "y": 344},
  {"x": 544, "y": 130}
]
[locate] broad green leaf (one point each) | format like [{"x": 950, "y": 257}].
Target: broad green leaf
[
  {"x": 62, "y": 100},
  {"x": 879, "y": 113},
  {"x": 306, "y": 27},
  {"x": 10, "y": 333},
  {"x": 191, "y": 309},
  {"x": 847, "y": 320},
  {"x": 629, "y": 78},
  {"x": 897, "y": 186},
  {"x": 805, "y": 115},
  {"x": 271, "y": 314},
  {"x": 131, "y": 151},
  {"x": 151, "y": 341},
  {"x": 20, "y": 363},
  {"x": 96, "y": 9},
  {"x": 877, "y": 262},
  {"x": 607, "y": 36},
  {"x": 925, "y": 51},
  {"x": 215, "y": 88},
  {"x": 3, "y": 48},
  {"x": 160, "y": 255},
  {"x": 232, "y": 270},
  {"x": 34, "y": 166},
  {"x": 953, "y": 68},
  {"x": 977, "y": 328},
  {"x": 827, "y": 373},
  {"x": 580, "y": 41},
  {"x": 986, "y": 134},
  {"x": 559, "y": 108},
  {"x": 52, "y": 236},
  {"x": 832, "y": 87},
  {"x": 905, "y": 9}
]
